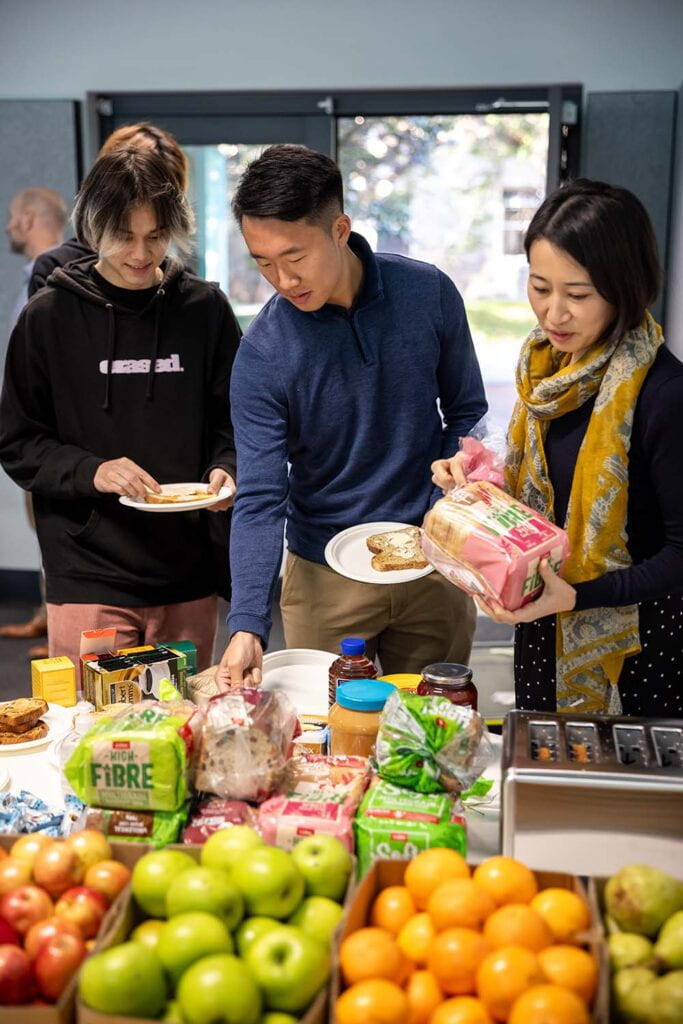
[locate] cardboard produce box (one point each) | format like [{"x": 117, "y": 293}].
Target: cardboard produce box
[{"x": 384, "y": 873}]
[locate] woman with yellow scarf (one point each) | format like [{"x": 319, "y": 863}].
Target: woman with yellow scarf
[{"x": 596, "y": 444}]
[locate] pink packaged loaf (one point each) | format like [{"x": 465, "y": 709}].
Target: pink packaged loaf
[{"x": 490, "y": 545}]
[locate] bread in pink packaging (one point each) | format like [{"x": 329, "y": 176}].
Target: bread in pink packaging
[{"x": 490, "y": 544}]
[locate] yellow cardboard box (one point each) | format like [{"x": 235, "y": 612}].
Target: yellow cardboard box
[{"x": 54, "y": 679}]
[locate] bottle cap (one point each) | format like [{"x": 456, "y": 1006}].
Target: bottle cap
[
  {"x": 364, "y": 694},
  {"x": 353, "y": 645}
]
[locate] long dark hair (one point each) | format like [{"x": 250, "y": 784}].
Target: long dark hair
[
  {"x": 608, "y": 232},
  {"x": 121, "y": 180}
]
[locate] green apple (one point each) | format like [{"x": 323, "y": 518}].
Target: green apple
[
  {"x": 250, "y": 929},
  {"x": 219, "y": 988},
  {"x": 318, "y": 916},
  {"x": 206, "y": 889},
  {"x": 189, "y": 937},
  {"x": 227, "y": 845},
  {"x": 148, "y": 933},
  {"x": 127, "y": 980},
  {"x": 152, "y": 876},
  {"x": 270, "y": 882},
  {"x": 289, "y": 966},
  {"x": 325, "y": 864},
  {"x": 278, "y": 1018}
]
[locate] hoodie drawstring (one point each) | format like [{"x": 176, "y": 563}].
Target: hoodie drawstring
[
  {"x": 111, "y": 345},
  {"x": 155, "y": 348}
]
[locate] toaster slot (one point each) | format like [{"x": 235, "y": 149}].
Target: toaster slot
[
  {"x": 630, "y": 744},
  {"x": 669, "y": 746},
  {"x": 543, "y": 741},
  {"x": 582, "y": 742}
]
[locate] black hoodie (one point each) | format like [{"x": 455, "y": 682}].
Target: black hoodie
[{"x": 89, "y": 379}]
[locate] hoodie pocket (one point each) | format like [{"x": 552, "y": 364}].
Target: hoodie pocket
[{"x": 89, "y": 527}]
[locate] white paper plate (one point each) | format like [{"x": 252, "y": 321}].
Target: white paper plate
[
  {"x": 302, "y": 674},
  {"x": 180, "y": 506},
  {"x": 348, "y": 554},
  {"x": 57, "y": 718},
  {"x": 4, "y": 778}
]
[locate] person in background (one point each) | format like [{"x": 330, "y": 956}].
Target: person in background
[
  {"x": 131, "y": 136},
  {"x": 595, "y": 445},
  {"x": 339, "y": 375},
  {"x": 116, "y": 381},
  {"x": 35, "y": 222}
]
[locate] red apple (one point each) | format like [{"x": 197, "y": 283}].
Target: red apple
[
  {"x": 57, "y": 962},
  {"x": 8, "y": 934},
  {"x": 84, "y": 907},
  {"x": 26, "y": 847},
  {"x": 39, "y": 934},
  {"x": 13, "y": 873},
  {"x": 57, "y": 868},
  {"x": 25, "y": 906},
  {"x": 16, "y": 977},
  {"x": 3, "y": 853},
  {"x": 90, "y": 846},
  {"x": 108, "y": 877}
]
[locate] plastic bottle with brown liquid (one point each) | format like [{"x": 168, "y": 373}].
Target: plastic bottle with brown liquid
[{"x": 352, "y": 663}]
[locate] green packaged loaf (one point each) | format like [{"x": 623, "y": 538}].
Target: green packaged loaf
[
  {"x": 156, "y": 827},
  {"x": 429, "y": 744},
  {"x": 393, "y": 823},
  {"x": 141, "y": 759}
]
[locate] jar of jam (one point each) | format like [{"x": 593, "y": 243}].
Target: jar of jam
[
  {"x": 354, "y": 717},
  {"x": 448, "y": 679}
]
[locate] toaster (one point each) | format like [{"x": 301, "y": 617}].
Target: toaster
[{"x": 588, "y": 794}]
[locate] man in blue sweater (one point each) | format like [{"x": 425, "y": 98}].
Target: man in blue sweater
[{"x": 339, "y": 376}]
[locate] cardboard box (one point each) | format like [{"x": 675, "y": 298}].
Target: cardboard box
[
  {"x": 129, "y": 678},
  {"x": 187, "y": 648},
  {"x": 384, "y": 873},
  {"x": 54, "y": 679}
]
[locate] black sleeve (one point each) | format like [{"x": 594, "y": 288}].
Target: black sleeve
[
  {"x": 225, "y": 341},
  {"x": 42, "y": 268},
  {"x": 662, "y": 574},
  {"x": 30, "y": 451}
]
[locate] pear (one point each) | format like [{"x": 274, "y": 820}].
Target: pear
[
  {"x": 640, "y": 898},
  {"x": 626, "y": 949},
  {"x": 669, "y": 945},
  {"x": 668, "y": 999},
  {"x": 634, "y": 994}
]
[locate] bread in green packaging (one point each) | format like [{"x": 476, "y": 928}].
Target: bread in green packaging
[
  {"x": 394, "y": 823},
  {"x": 141, "y": 759},
  {"x": 156, "y": 827}
]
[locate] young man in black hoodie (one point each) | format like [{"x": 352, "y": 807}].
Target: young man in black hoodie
[{"x": 117, "y": 381}]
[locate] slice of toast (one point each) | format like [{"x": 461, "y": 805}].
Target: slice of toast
[
  {"x": 24, "y": 711},
  {"x": 397, "y": 549},
  {"x": 36, "y": 732},
  {"x": 172, "y": 499}
]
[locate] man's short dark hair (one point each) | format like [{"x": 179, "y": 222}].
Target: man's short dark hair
[
  {"x": 607, "y": 231},
  {"x": 290, "y": 183}
]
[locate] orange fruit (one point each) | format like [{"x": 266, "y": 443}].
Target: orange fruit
[
  {"x": 429, "y": 869},
  {"x": 459, "y": 903},
  {"x": 455, "y": 957},
  {"x": 372, "y": 953},
  {"x": 415, "y": 938},
  {"x": 392, "y": 908},
  {"x": 563, "y": 911},
  {"x": 517, "y": 924},
  {"x": 549, "y": 1004},
  {"x": 572, "y": 967},
  {"x": 461, "y": 1010},
  {"x": 374, "y": 1001},
  {"x": 424, "y": 995},
  {"x": 506, "y": 880},
  {"x": 503, "y": 975}
]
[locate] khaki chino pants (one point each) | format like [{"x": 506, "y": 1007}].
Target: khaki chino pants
[{"x": 406, "y": 625}]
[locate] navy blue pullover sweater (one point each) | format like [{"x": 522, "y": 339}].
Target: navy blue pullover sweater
[{"x": 349, "y": 399}]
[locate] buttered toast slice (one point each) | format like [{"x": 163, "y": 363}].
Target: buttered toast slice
[
  {"x": 397, "y": 549},
  {"x": 171, "y": 499},
  {"x": 22, "y": 712}
]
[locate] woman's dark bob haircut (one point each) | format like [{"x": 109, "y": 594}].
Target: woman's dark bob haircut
[
  {"x": 608, "y": 232},
  {"x": 120, "y": 181},
  {"x": 290, "y": 183}
]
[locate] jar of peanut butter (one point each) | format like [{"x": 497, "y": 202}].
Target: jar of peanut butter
[{"x": 354, "y": 717}]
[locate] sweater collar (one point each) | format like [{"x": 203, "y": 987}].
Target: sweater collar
[{"x": 371, "y": 286}]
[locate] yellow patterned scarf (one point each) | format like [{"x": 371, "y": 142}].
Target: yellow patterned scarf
[{"x": 591, "y": 644}]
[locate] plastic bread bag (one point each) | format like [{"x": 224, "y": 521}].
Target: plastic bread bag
[
  {"x": 246, "y": 741},
  {"x": 139, "y": 759},
  {"x": 428, "y": 744},
  {"x": 485, "y": 457},
  {"x": 490, "y": 545}
]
